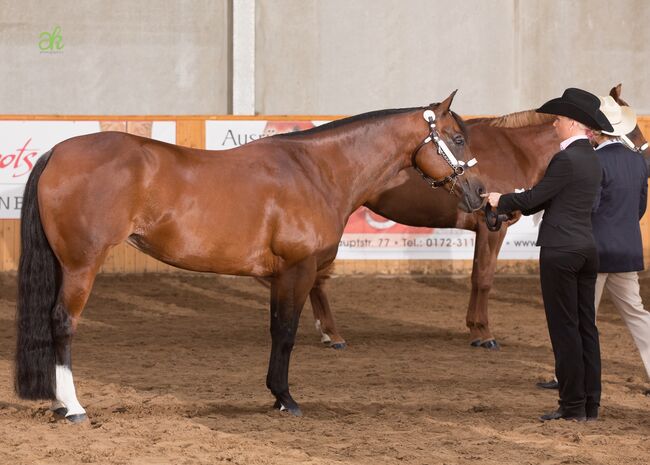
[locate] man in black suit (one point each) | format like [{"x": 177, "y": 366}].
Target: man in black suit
[{"x": 568, "y": 259}]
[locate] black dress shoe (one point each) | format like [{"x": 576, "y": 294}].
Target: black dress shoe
[
  {"x": 560, "y": 414},
  {"x": 552, "y": 384}
]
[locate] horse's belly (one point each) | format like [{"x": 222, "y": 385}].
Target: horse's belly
[
  {"x": 259, "y": 237},
  {"x": 233, "y": 257}
]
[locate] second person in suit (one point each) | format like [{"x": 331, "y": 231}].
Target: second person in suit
[{"x": 622, "y": 203}]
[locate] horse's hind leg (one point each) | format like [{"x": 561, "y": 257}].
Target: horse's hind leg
[
  {"x": 323, "y": 316},
  {"x": 289, "y": 291},
  {"x": 75, "y": 289}
]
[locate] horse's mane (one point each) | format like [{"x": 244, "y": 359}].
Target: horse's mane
[
  {"x": 345, "y": 121},
  {"x": 519, "y": 119},
  {"x": 369, "y": 116}
]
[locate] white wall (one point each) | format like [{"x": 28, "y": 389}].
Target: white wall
[
  {"x": 593, "y": 44},
  {"x": 345, "y": 57},
  {"x": 320, "y": 56},
  {"x": 118, "y": 57}
]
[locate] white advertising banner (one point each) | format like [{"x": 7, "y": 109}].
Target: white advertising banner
[
  {"x": 369, "y": 236},
  {"x": 23, "y": 142}
]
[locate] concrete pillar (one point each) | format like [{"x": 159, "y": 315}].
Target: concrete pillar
[{"x": 243, "y": 57}]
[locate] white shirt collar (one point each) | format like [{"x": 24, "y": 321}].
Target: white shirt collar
[
  {"x": 609, "y": 142},
  {"x": 565, "y": 143}
]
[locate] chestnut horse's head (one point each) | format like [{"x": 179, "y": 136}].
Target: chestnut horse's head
[
  {"x": 444, "y": 158},
  {"x": 635, "y": 139}
]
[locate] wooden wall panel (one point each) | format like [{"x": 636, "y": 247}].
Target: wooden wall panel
[
  {"x": 9, "y": 244},
  {"x": 190, "y": 132}
]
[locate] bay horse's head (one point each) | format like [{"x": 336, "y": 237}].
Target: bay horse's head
[
  {"x": 635, "y": 139},
  {"x": 444, "y": 158}
]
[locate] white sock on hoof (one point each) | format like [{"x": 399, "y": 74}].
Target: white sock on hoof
[
  {"x": 323, "y": 337},
  {"x": 65, "y": 392}
]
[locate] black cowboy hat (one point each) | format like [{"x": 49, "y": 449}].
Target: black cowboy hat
[{"x": 579, "y": 105}]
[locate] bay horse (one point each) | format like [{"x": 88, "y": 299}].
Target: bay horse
[
  {"x": 273, "y": 208},
  {"x": 513, "y": 152}
]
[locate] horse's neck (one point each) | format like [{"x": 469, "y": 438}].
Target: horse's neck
[
  {"x": 364, "y": 158},
  {"x": 546, "y": 145},
  {"x": 530, "y": 147}
]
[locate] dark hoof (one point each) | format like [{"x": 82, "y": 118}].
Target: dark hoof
[
  {"x": 295, "y": 411},
  {"x": 492, "y": 344},
  {"x": 77, "y": 418},
  {"x": 338, "y": 345},
  {"x": 475, "y": 343},
  {"x": 60, "y": 412}
]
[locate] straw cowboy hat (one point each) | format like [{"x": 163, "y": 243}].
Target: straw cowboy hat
[
  {"x": 622, "y": 118},
  {"x": 579, "y": 105}
]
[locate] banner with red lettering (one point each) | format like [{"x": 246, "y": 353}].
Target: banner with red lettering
[
  {"x": 369, "y": 236},
  {"x": 23, "y": 142}
]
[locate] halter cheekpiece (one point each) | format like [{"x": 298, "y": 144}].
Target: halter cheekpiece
[{"x": 458, "y": 166}]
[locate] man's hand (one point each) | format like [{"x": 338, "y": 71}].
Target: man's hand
[{"x": 492, "y": 198}]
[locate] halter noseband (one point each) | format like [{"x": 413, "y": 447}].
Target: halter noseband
[
  {"x": 458, "y": 166},
  {"x": 627, "y": 141}
]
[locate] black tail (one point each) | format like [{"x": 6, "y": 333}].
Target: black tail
[{"x": 38, "y": 285}]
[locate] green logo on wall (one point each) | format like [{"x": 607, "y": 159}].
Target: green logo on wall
[{"x": 51, "y": 41}]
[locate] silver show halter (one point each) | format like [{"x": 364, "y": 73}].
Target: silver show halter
[
  {"x": 458, "y": 166},
  {"x": 626, "y": 140}
]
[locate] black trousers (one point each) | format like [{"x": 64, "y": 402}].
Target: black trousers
[{"x": 568, "y": 278}]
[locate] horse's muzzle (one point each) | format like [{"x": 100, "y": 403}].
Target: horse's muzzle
[{"x": 471, "y": 200}]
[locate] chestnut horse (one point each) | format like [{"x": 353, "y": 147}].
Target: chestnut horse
[
  {"x": 273, "y": 208},
  {"x": 513, "y": 151}
]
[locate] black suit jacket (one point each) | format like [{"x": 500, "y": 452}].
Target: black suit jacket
[
  {"x": 567, "y": 193},
  {"x": 622, "y": 204}
]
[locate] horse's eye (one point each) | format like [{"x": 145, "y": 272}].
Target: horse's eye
[{"x": 459, "y": 140}]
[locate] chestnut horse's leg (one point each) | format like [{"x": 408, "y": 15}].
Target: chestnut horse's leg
[
  {"x": 75, "y": 289},
  {"x": 486, "y": 250},
  {"x": 289, "y": 291},
  {"x": 480, "y": 246},
  {"x": 323, "y": 315}
]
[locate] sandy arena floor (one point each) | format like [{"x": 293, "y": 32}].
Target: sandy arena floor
[{"x": 171, "y": 369}]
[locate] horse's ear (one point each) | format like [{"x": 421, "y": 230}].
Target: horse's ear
[
  {"x": 615, "y": 93},
  {"x": 445, "y": 104}
]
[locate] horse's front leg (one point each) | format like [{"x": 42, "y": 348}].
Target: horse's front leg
[
  {"x": 323, "y": 316},
  {"x": 289, "y": 290},
  {"x": 480, "y": 245},
  {"x": 486, "y": 251}
]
